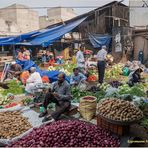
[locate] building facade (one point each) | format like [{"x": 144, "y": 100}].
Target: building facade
[
  {"x": 138, "y": 13},
  {"x": 56, "y": 15},
  {"x": 26, "y": 20}
]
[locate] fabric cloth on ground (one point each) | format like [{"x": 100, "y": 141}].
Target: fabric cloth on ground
[{"x": 52, "y": 75}]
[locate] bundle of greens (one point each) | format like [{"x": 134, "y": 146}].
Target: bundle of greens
[{"x": 14, "y": 88}]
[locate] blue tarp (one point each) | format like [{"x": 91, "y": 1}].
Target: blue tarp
[
  {"x": 51, "y": 36},
  {"x": 98, "y": 40},
  {"x": 43, "y": 37},
  {"x": 52, "y": 75}
]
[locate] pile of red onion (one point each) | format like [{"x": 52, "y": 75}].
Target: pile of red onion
[{"x": 67, "y": 133}]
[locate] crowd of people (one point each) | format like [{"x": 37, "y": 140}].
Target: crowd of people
[{"x": 60, "y": 93}]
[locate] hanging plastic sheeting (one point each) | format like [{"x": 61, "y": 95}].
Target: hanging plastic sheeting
[
  {"x": 12, "y": 40},
  {"x": 98, "y": 40},
  {"x": 16, "y": 40},
  {"x": 52, "y": 75},
  {"x": 43, "y": 37},
  {"x": 51, "y": 36}
]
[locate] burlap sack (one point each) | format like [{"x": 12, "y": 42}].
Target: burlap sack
[{"x": 87, "y": 108}]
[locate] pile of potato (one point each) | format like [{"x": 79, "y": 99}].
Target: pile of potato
[
  {"x": 12, "y": 124},
  {"x": 119, "y": 110}
]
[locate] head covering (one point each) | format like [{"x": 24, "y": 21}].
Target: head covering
[
  {"x": 32, "y": 69},
  {"x": 104, "y": 47},
  {"x": 13, "y": 62},
  {"x": 139, "y": 69}
]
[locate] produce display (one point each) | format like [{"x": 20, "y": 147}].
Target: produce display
[
  {"x": 67, "y": 133},
  {"x": 77, "y": 94},
  {"x": 12, "y": 124},
  {"x": 14, "y": 88},
  {"x": 119, "y": 110},
  {"x": 115, "y": 84},
  {"x": 92, "y": 78},
  {"x": 115, "y": 71},
  {"x": 4, "y": 100},
  {"x": 67, "y": 68},
  {"x": 136, "y": 90}
]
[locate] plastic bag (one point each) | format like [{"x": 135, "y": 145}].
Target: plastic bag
[{"x": 111, "y": 92}]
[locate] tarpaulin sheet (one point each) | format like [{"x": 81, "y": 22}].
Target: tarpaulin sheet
[
  {"x": 98, "y": 40},
  {"x": 52, "y": 75},
  {"x": 50, "y": 37},
  {"x": 15, "y": 39},
  {"x": 43, "y": 37}
]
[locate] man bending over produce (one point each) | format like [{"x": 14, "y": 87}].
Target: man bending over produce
[
  {"x": 134, "y": 77},
  {"x": 61, "y": 95},
  {"x": 33, "y": 80},
  {"x": 14, "y": 70},
  {"x": 77, "y": 78}
]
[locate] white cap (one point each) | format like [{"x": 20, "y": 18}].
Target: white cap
[
  {"x": 104, "y": 47},
  {"x": 13, "y": 62}
]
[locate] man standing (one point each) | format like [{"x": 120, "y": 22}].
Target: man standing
[
  {"x": 80, "y": 58},
  {"x": 33, "y": 80},
  {"x": 101, "y": 57},
  {"x": 59, "y": 94}
]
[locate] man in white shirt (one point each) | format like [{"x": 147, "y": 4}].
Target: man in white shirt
[
  {"x": 101, "y": 57},
  {"x": 80, "y": 58},
  {"x": 33, "y": 80}
]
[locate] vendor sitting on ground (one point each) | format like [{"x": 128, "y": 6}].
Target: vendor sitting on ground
[
  {"x": 77, "y": 77},
  {"x": 59, "y": 94},
  {"x": 14, "y": 71},
  {"x": 134, "y": 77},
  {"x": 33, "y": 80}
]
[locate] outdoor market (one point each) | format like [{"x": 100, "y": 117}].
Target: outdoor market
[{"x": 80, "y": 97}]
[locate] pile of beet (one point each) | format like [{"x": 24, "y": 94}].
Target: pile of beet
[{"x": 67, "y": 133}]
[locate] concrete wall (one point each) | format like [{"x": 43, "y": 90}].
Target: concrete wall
[
  {"x": 140, "y": 43},
  {"x": 6, "y": 30},
  {"x": 138, "y": 14},
  {"x": 27, "y": 20},
  {"x": 55, "y": 15},
  {"x": 43, "y": 21}
]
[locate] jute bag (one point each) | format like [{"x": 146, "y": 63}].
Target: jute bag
[{"x": 87, "y": 107}]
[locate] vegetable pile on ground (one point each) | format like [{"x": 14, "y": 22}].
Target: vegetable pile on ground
[
  {"x": 68, "y": 133},
  {"x": 67, "y": 68},
  {"x": 119, "y": 110},
  {"x": 114, "y": 72},
  {"x": 115, "y": 84},
  {"x": 136, "y": 90},
  {"x": 14, "y": 88},
  {"x": 77, "y": 94},
  {"x": 4, "y": 100},
  {"x": 12, "y": 124}
]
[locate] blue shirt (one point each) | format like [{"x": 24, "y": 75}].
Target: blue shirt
[{"x": 76, "y": 79}]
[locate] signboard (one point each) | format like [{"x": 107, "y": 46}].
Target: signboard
[{"x": 118, "y": 46}]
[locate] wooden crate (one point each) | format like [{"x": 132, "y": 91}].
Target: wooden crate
[{"x": 115, "y": 128}]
